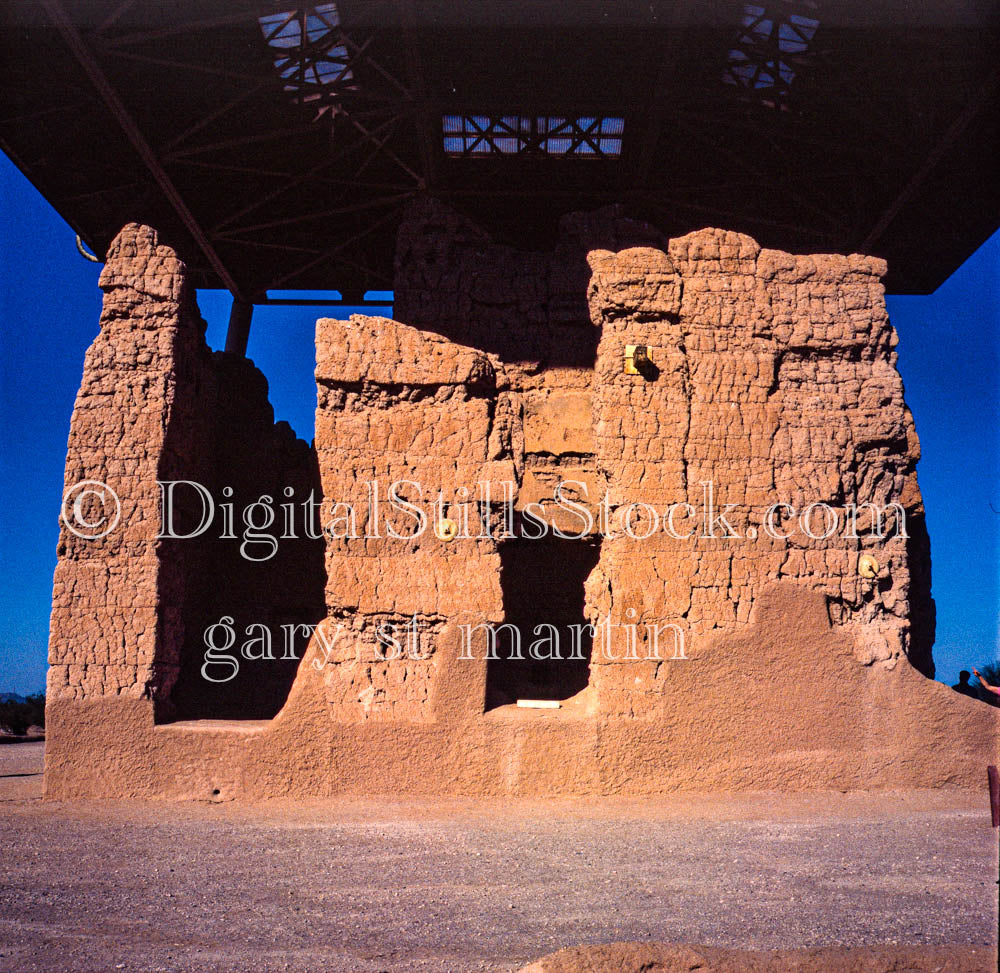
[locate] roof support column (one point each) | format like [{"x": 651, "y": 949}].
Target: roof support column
[{"x": 238, "y": 333}]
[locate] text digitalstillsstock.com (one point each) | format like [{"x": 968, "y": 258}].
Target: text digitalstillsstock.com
[{"x": 405, "y": 511}]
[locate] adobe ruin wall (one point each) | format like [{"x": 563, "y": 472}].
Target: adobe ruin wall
[
  {"x": 155, "y": 404},
  {"x": 773, "y": 378}
]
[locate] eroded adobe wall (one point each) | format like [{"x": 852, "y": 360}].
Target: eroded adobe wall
[
  {"x": 129, "y": 609},
  {"x": 107, "y": 632},
  {"x": 795, "y": 679},
  {"x": 776, "y": 382},
  {"x": 528, "y": 310},
  {"x": 400, "y": 406}
]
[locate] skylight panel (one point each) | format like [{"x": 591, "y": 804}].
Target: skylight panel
[
  {"x": 597, "y": 137},
  {"x": 309, "y": 53},
  {"x": 773, "y": 44}
]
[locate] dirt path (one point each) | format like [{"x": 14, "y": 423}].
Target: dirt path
[{"x": 476, "y": 885}]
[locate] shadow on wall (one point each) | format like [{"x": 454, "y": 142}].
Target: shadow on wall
[
  {"x": 222, "y": 434},
  {"x": 523, "y": 306},
  {"x": 923, "y": 614}
]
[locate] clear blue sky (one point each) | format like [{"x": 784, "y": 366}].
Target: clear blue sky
[{"x": 49, "y": 307}]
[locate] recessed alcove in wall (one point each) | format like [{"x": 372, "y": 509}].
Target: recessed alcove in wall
[
  {"x": 543, "y": 585},
  {"x": 224, "y": 435}
]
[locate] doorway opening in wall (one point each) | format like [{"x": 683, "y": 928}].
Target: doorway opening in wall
[{"x": 543, "y": 599}]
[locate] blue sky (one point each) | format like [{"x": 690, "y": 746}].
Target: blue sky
[{"x": 949, "y": 356}]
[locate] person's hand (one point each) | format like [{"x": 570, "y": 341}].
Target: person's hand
[{"x": 987, "y": 686}]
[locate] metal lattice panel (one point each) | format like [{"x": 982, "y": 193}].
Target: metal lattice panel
[{"x": 278, "y": 146}]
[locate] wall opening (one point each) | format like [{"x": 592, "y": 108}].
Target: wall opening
[
  {"x": 243, "y": 576},
  {"x": 542, "y": 582},
  {"x": 244, "y": 626}
]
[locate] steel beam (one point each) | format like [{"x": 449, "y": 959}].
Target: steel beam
[
  {"x": 238, "y": 333},
  {"x": 959, "y": 125},
  {"x": 128, "y": 125},
  {"x": 317, "y": 302},
  {"x": 425, "y": 122}
]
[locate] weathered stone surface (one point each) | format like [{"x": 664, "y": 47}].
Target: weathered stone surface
[
  {"x": 773, "y": 379},
  {"x": 403, "y": 406},
  {"x": 542, "y": 488},
  {"x": 777, "y": 383},
  {"x": 105, "y": 628},
  {"x": 559, "y": 424},
  {"x": 129, "y": 610}
]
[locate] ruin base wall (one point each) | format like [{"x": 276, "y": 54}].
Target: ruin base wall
[
  {"x": 773, "y": 378},
  {"x": 855, "y": 728}
]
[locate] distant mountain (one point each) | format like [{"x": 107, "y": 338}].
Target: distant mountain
[{"x": 12, "y": 698}]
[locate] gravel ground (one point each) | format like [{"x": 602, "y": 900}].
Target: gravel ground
[{"x": 449, "y": 885}]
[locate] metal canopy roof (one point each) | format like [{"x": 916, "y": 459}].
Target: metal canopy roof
[{"x": 278, "y": 152}]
